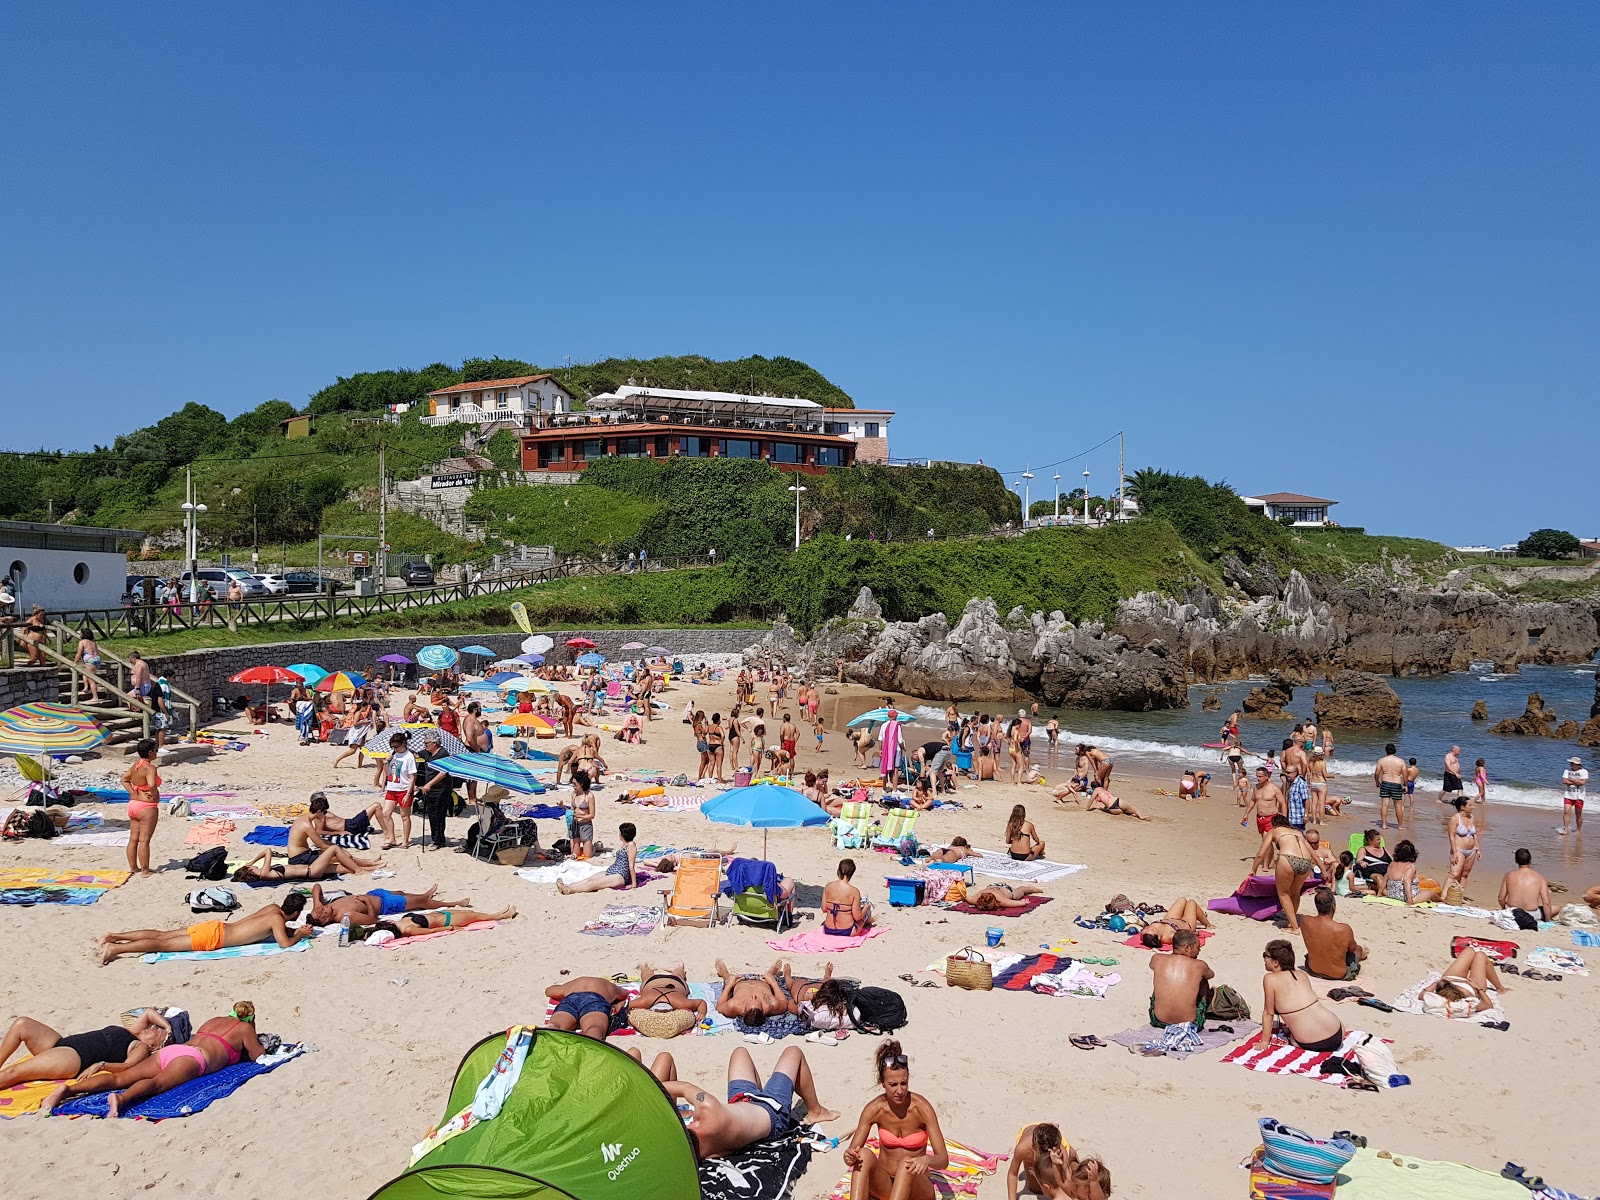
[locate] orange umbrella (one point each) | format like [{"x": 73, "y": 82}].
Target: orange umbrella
[{"x": 527, "y": 721}]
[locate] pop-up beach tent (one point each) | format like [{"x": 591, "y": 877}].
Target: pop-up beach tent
[{"x": 583, "y": 1121}]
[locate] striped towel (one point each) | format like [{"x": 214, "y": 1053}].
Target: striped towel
[
  {"x": 968, "y": 1167},
  {"x": 685, "y": 803},
  {"x": 1285, "y": 1058}
]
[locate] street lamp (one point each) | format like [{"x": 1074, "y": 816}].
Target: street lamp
[
  {"x": 1058, "y": 496},
  {"x": 1086, "y": 495},
  {"x": 1027, "y": 497},
  {"x": 191, "y": 514},
  {"x": 797, "y": 488}
]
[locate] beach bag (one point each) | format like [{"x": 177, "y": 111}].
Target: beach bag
[
  {"x": 30, "y": 823},
  {"x": 213, "y": 900},
  {"x": 1377, "y": 1060},
  {"x": 179, "y": 807},
  {"x": 1577, "y": 916},
  {"x": 1297, "y": 1154},
  {"x": 968, "y": 969},
  {"x": 209, "y": 864},
  {"x": 1227, "y": 1005},
  {"x": 876, "y": 1010}
]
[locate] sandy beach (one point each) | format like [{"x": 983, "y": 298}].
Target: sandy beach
[{"x": 390, "y": 1026}]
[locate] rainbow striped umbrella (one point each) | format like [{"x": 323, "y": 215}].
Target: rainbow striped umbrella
[
  {"x": 51, "y": 728},
  {"x": 341, "y": 681}
]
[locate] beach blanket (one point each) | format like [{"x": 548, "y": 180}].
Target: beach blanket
[
  {"x": 1257, "y": 897},
  {"x": 539, "y": 812},
  {"x": 45, "y": 885},
  {"x": 1003, "y": 866},
  {"x": 25, "y": 1098},
  {"x": 620, "y": 920},
  {"x": 1209, "y": 1039},
  {"x": 1033, "y": 902},
  {"x": 1580, "y": 937},
  {"x": 1075, "y": 979},
  {"x": 1019, "y": 975},
  {"x": 1132, "y": 939},
  {"x": 684, "y": 803},
  {"x": 254, "y": 950},
  {"x": 187, "y": 1098},
  {"x": 814, "y": 941},
  {"x": 1410, "y": 1001},
  {"x": 101, "y": 838},
  {"x": 278, "y": 835},
  {"x": 1499, "y": 952},
  {"x": 1368, "y": 1177},
  {"x": 1264, "y": 1185},
  {"x": 235, "y": 811},
  {"x": 1548, "y": 958},
  {"x": 1284, "y": 1058},
  {"x": 765, "y": 1170},
  {"x": 283, "y": 811},
  {"x": 568, "y": 872},
  {"x": 214, "y": 832},
  {"x": 968, "y": 1168},
  {"x": 397, "y": 943}
]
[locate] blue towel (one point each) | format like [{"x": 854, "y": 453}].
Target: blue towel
[
  {"x": 745, "y": 873},
  {"x": 1582, "y": 937},
  {"x": 268, "y": 835},
  {"x": 182, "y": 1101}
]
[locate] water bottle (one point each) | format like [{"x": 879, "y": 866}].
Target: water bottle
[{"x": 344, "y": 930}]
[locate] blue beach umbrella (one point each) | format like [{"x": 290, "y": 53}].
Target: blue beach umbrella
[
  {"x": 533, "y": 660},
  {"x": 478, "y": 651},
  {"x": 310, "y": 672},
  {"x": 591, "y": 660},
  {"x": 483, "y": 685},
  {"x": 881, "y": 714},
  {"x": 437, "y": 658},
  {"x": 490, "y": 768},
  {"x": 763, "y": 806},
  {"x": 503, "y": 677}
]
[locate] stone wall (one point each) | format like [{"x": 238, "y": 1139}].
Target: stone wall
[
  {"x": 30, "y": 685},
  {"x": 205, "y": 674}
]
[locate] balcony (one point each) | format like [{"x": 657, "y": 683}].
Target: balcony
[{"x": 471, "y": 414}]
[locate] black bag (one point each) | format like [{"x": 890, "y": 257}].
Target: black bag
[
  {"x": 1524, "y": 920},
  {"x": 876, "y": 1010},
  {"x": 210, "y": 864}
]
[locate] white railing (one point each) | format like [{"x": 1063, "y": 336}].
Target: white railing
[{"x": 473, "y": 415}]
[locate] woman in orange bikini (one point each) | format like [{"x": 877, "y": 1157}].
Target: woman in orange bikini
[
  {"x": 909, "y": 1139},
  {"x": 220, "y": 1042},
  {"x": 144, "y": 806}
]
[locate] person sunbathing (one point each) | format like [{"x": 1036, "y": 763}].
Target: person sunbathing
[
  {"x": 1464, "y": 987},
  {"x": 267, "y": 924},
  {"x": 958, "y": 851},
  {"x": 261, "y": 868},
  {"x": 845, "y": 913},
  {"x": 754, "y": 1111},
  {"x": 668, "y": 863},
  {"x": 752, "y": 998},
  {"x": 910, "y": 1142},
  {"x": 1289, "y": 996},
  {"x": 666, "y": 991},
  {"x": 1047, "y": 1165},
  {"x": 219, "y": 1042},
  {"x": 55, "y": 1057},
  {"x": 443, "y": 920},
  {"x": 1183, "y": 913},
  {"x": 589, "y": 1005},
  {"x": 1332, "y": 951},
  {"x": 1402, "y": 882},
  {"x": 373, "y": 906},
  {"x": 995, "y": 896},
  {"x": 1101, "y": 800}
]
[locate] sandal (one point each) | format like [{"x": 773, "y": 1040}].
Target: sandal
[
  {"x": 1082, "y": 1043},
  {"x": 759, "y": 1038},
  {"x": 822, "y": 1037}
]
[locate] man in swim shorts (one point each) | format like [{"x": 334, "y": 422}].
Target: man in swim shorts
[
  {"x": 754, "y": 1111},
  {"x": 1390, "y": 776},
  {"x": 588, "y": 1005},
  {"x": 370, "y": 908},
  {"x": 267, "y": 924},
  {"x": 1526, "y": 890},
  {"x": 1332, "y": 951},
  {"x": 1179, "y": 995},
  {"x": 1268, "y": 801},
  {"x": 752, "y": 998}
]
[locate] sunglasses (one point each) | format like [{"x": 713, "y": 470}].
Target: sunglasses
[{"x": 896, "y": 1061}]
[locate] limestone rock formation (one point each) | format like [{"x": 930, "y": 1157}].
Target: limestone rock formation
[
  {"x": 1589, "y": 735},
  {"x": 1480, "y": 711},
  {"x": 1212, "y": 702},
  {"x": 1594, "y": 709},
  {"x": 1536, "y": 720},
  {"x": 1360, "y": 700},
  {"x": 1268, "y": 700},
  {"x": 1566, "y": 731}
]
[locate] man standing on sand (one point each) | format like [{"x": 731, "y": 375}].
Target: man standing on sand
[
  {"x": 1025, "y": 741},
  {"x": 1573, "y": 782},
  {"x": 789, "y": 737},
  {"x": 1294, "y": 755},
  {"x": 476, "y": 737},
  {"x": 1179, "y": 996},
  {"x": 1526, "y": 891},
  {"x": 1332, "y": 951},
  {"x": 1267, "y": 803},
  {"x": 1452, "y": 776},
  {"x": 1390, "y": 776},
  {"x": 1299, "y": 794},
  {"x": 569, "y": 712}
]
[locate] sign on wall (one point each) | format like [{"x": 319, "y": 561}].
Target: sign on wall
[{"x": 439, "y": 482}]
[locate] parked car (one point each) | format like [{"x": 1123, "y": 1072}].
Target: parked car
[
  {"x": 299, "y": 583},
  {"x": 417, "y": 574},
  {"x": 273, "y": 582},
  {"x": 220, "y": 577}
]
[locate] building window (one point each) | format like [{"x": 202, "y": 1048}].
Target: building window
[
  {"x": 630, "y": 447},
  {"x": 663, "y": 446},
  {"x": 501, "y": 399},
  {"x": 80, "y": 573},
  {"x": 18, "y": 572},
  {"x": 834, "y": 429},
  {"x": 551, "y": 453},
  {"x": 740, "y": 448},
  {"x": 1310, "y": 515},
  {"x": 694, "y": 447},
  {"x": 588, "y": 448},
  {"x": 787, "y": 452},
  {"x": 827, "y": 456},
  {"x": 872, "y": 429}
]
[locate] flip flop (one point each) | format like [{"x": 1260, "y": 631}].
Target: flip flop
[
  {"x": 1082, "y": 1043},
  {"x": 822, "y": 1037},
  {"x": 759, "y": 1039},
  {"x": 1097, "y": 1040}
]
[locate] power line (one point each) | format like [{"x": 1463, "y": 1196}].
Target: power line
[{"x": 1063, "y": 461}]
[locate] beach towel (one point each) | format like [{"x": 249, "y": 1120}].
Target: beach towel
[
  {"x": 1132, "y": 939},
  {"x": 765, "y": 1170},
  {"x": 1264, "y": 1185},
  {"x": 1284, "y": 1058},
  {"x": 1500, "y": 952},
  {"x": 632, "y": 988},
  {"x": 569, "y": 872},
  {"x": 254, "y": 950},
  {"x": 281, "y": 810},
  {"x": 25, "y": 1098},
  {"x": 1580, "y": 937},
  {"x": 1208, "y": 1039},
  {"x": 397, "y": 943},
  {"x": 620, "y": 920},
  {"x": 490, "y": 1097},
  {"x": 214, "y": 832},
  {"x": 539, "y": 812},
  {"x": 102, "y": 838},
  {"x": 1368, "y": 1177},
  {"x": 684, "y": 803},
  {"x": 1410, "y": 1001},
  {"x": 1003, "y": 866},
  {"x": 1548, "y": 958},
  {"x": 1033, "y": 902},
  {"x": 235, "y": 811},
  {"x": 889, "y": 758},
  {"x": 187, "y": 1098},
  {"x": 1019, "y": 976},
  {"x": 968, "y": 1168},
  {"x": 1075, "y": 979},
  {"x": 1257, "y": 897},
  {"x": 814, "y": 941},
  {"x": 45, "y": 885},
  {"x": 278, "y": 835}
]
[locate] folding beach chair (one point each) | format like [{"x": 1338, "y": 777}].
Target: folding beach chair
[
  {"x": 852, "y": 828},
  {"x": 898, "y": 824},
  {"x": 695, "y": 893},
  {"x": 751, "y": 907}
]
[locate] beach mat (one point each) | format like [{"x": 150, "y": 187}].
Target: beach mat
[
  {"x": 44, "y": 885},
  {"x": 278, "y": 835},
  {"x": 814, "y": 941},
  {"x": 968, "y": 1168},
  {"x": 254, "y": 950},
  {"x": 1133, "y": 940},
  {"x": 186, "y": 1099},
  {"x": 99, "y": 838},
  {"x": 1257, "y": 897},
  {"x": 569, "y": 872},
  {"x": 1003, "y": 866},
  {"x": 624, "y": 920},
  {"x": 1368, "y": 1177},
  {"x": 1284, "y": 1058},
  {"x": 1210, "y": 1038},
  {"x": 25, "y": 1098},
  {"x": 1033, "y": 903},
  {"x": 476, "y": 926},
  {"x": 765, "y": 1170}
]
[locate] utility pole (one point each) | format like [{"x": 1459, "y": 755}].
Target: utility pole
[
  {"x": 1122, "y": 471},
  {"x": 191, "y": 521},
  {"x": 1058, "y": 497},
  {"x": 1027, "y": 497},
  {"x": 383, "y": 515}
]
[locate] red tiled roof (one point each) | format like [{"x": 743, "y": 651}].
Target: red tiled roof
[
  {"x": 1292, "y": 498},
  {"x": 490, "y": 383}
]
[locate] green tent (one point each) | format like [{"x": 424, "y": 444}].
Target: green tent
[{"x": 583, "y": 1122}]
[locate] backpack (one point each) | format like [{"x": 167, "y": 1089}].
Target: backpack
[
  {"x": 30, "y": 823},
  {"x": 209, "y": 864},
  {"x": 1227, "y": 1005},
  {"x": 876, "y": 1010},
  {"x": 213, "y": 900}
]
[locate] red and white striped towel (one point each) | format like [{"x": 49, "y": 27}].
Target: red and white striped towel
[{"x": 1285, "y": 1058}]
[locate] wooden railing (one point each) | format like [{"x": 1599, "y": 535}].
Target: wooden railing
[{"x": 134, "y": 705}]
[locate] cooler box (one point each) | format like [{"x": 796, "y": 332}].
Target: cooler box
[
  {"x": 963, "y": 759},
  {"x": 905, "y": 892}
]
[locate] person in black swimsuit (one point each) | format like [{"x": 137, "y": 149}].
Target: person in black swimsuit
[
  {"x": 666, "y": 991},
  {"x": 56, "y": 1057}
]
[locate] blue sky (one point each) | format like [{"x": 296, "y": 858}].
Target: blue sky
[{"x": 1349, "y": 250}]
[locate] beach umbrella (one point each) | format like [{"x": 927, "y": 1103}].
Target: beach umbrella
[
  {"x": 437, "y": 658},
  {"x": 50, "y": 728},
  {"x": 268, "y": 676},
  {"x": 507, "y": 664},
  {"x": 658, "y": 650},
  {"x": 482, "y": 686},
  {"x": 591, "y": 660},
  {"x": 309, "y": 672},
  {"x": 533, "y": 660},
  {"x": 33, "y": 770},
  {"x": 881, "y": 714},
  {"x": 490, "y": 768},
  {"x": 478, "y": 651},
  {"x": 633, "y": 645},
  {"x": 399, "y": 660},
  {"x": 341, "y": 681},
  {"x": 528, "y": 721},
  {"x": 503, "y": 677},
  {"x": 377, "y": 746},
  {"x": 539, "y": 643},
  {"x": 580, "y": 643},
  {"x": 526, "y": 684},
  {"x": 763, "y": 806}
]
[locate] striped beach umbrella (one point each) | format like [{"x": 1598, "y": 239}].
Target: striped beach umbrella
[
  {"x": 528, "y": 721},
  {"x": 377, "y": 746},
  {"x": 341, "y": 681},
  {"x": 633, "y": 645},
  {"x": 477, "y": 651},
  {"x": 501, "y": 677},
  {"x": 437, "y": 658},
  {"x": 591, "y": 660},
  {"x": 527, "y": 684},
  {"x": 490, "y": 768},
  {"x": 50, "y": 728}
]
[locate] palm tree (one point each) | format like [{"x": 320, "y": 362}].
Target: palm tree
[{"x": 1146, "y": 485}]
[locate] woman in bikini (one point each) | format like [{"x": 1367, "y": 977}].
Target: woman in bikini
[
  {"x": 1285, "y": 849},
  {"x": 88, "y": 654},
  {"x": 444, "y": 918},
  {"x": 220, "y": 1042},
  {"x": 1463, "y": 989},
  {"x": 1102, "y": 800},
  {"x": 1317, "y": 780},
  {"x": 958, "y": 851},
  {"x": 844, "y": 912},
  {"x": 1464, "y": 848},
  {"x": 715, "y": 736},
  {"x": 261, "y": 868},
  {"x": 666, "y": 991},
  {"x": 995, "y": 896},
  {"x": 1182, "y": 913},
  {"x": 1289, "y": 996},
  {"x": 144, "y": 806},
  {"x": 1022, "y": 839},
  {"x": 1046, "y": 1164},
  {"x": 1401, "y": 881},
  {"x": 908, "y": 1129}
]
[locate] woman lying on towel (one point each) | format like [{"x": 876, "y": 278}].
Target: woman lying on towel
[
  {"x": 261, "y": 869},
  {"x": 1182, "y": 913},
  {"x": 1311, "y": 1025},
  {"x": 1002, "y": 895},
  {"x": 1463, "y": 989},
  {"x": 220, "y": 1042},
  {"x": 266, "y": 924},
  {"x": 443, "y": 920},
  {"x": 57, "y": 1057},
  {"x": 908, "y": 1129}
]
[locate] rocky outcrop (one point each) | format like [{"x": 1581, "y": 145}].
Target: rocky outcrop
[
  {"x": 1594, "y": 709},
  {"x": 1589, "y": 735},
  {"x": 1212, "y": 702},
  {"x": 1480, "y": 711},
  {"x": 847, "y": 638},
  {"x": 1360, "y": 700},
  {"x": 1566, "y": 731},
  {"x": 1267, "y": 701},
  {"x": 1536, "y": 721}
]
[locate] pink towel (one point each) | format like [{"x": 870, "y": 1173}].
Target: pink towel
[
  {"x": 208, "y": 833},
  {"x": 435, "y": 933},
  {"x": 814, "y": 941},
  {"x": 1133, "y": 940}
]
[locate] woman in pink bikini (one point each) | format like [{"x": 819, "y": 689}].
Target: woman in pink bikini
[
  {"x": 909, "y": 1139},
  {"x": 144, "y": 806},
  {"x": 220, "y": 1042}
]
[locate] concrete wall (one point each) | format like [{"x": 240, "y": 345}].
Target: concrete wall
[
  {"x": 204, "y": 674},
  {"x": 30, "y": 685},
  {"x": 48, "y": 578}
]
